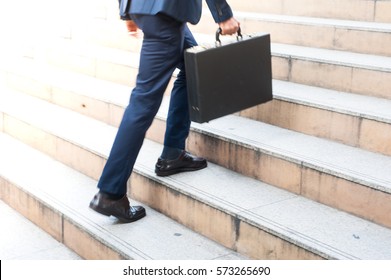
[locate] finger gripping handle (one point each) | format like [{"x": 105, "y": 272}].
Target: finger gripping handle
[{"x": 218, "y": 33}]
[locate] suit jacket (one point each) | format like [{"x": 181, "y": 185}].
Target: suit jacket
[{"x": 181, "y": 10}]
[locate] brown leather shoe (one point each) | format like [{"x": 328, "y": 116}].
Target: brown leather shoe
[
  {"x": 185, "y": 162},
  {"x": 117, "y": 208}
]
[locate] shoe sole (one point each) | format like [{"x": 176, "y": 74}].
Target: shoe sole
[
  {"x": 123, "y": 220},
  {"x": 140, "y": 216},
  {"x": 179, "y": 170}
]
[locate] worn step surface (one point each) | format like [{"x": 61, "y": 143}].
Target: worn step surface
[
  {"x": 25, "y": 241},
  {"x": 259, "y": 221},
  {"x": 56, "y": 198}
]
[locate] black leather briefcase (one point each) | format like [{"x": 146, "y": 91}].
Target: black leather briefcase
[{"x": 227, "y": 78}]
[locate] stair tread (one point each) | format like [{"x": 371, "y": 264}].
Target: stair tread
[
  {"x": 36, "y": 245},
  {"x": 69, "y": 192},
  {"x": 368, "y": 61},
  {"x": 259, "y": 203}
]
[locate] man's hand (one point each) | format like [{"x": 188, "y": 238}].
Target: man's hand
[
  {"x": 131, "y": 26},
  {"x": 133, "y": 29},
  {"x": 229, "y": 27}
]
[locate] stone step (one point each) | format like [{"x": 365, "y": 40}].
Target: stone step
[
  {"x": 356, "y": 120},
  {"x": 346, "y": 178},
  {"x": 56, "y": 197},
  {"x": 342, "y": 71},
  {"x": 23, "y": 240},
  {"x": 352, "y": 36},
  {"x": 253, "y": 218},
  {"x": 365, "y": 10}
]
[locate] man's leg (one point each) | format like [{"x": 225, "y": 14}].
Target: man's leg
[
  {"x": 163, "y": 41},
  {"x": 178, "y": 120},
  {"x": 174, "y": 158}
]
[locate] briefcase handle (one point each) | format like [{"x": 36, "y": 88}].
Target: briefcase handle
[{"x": 218, "y": 32}]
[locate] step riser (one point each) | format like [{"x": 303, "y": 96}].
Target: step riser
[
  {"x": 103, "y": 111},
  {"x": 355, "y": 131},
  {"x": 383, "y": 10},
  {"x": 141, "y": 189},
  {"x": 352, "y": 130},
  {"x": 92, "y": 66},
  {"x": 316, "y": 36},
  {"x": 345, "y": 9},
  {"x": 325, "y": 37},
  {"x": 55, "y": 147},
  {"x": 226, "y": 229},
  {"x": 59, "y": 53},
  {"x": 317, "y": 185},
  {"x": 106, "y": 34},
  {"x": 55, "y": 223},
  {"x": 331, "y": 76}
]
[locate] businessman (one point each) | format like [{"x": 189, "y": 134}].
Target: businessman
[{"x": 166, "y": 36}]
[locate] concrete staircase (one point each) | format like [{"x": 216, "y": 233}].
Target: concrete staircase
[{"x": 306, "y": 176}]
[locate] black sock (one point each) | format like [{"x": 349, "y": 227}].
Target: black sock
[
  {"x": 170, "y": 153},
  {"x": 112, "y": 196}
]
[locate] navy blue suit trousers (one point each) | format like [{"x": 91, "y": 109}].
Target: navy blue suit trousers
[{"x": 165, "y": 40}]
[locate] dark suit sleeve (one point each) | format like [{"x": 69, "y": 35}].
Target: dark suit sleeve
[
  {"x": 124, "y": 9},
  {"x": 220, "y": 10}
]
